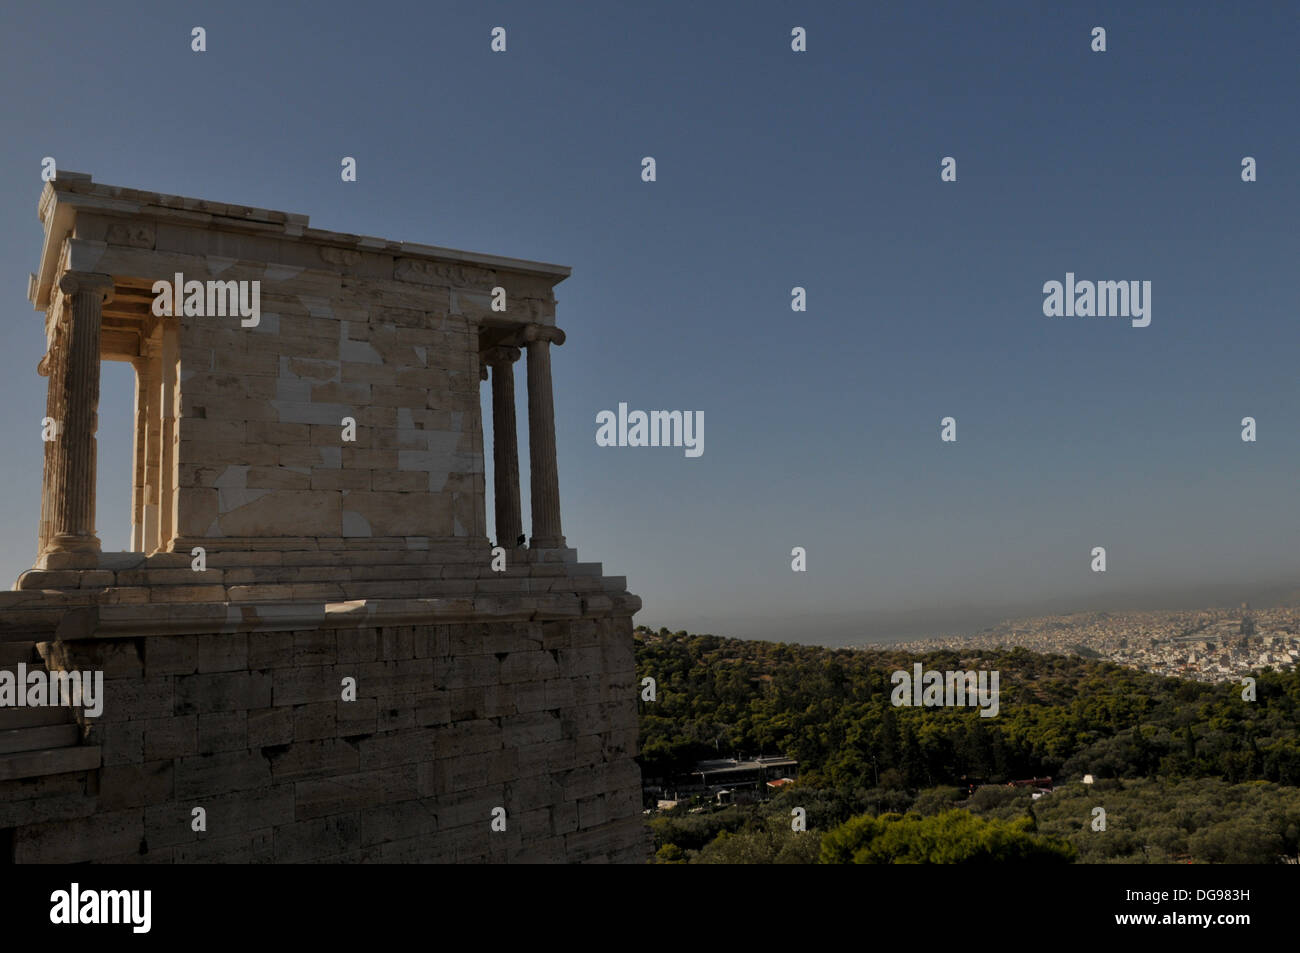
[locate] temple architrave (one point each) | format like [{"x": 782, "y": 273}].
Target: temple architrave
[{"x": 312, "y": 639}]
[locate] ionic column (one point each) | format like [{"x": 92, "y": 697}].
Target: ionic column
[
  {"x": 544, "y": 477},
  {"x": 505, "y": 445},
  {"x": 153, "y": 441},
  {"x": 50, "y": 367},
  {"x": 75, "y": 382},
  {"x": 167, "y": 468},
  {"x": 146, "y": 389}
]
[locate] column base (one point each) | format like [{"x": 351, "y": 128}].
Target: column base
[
  {"x": 65, "y": 543},
  {"x": 547, "y": 542},
  {"x": 48, "y": 561}
]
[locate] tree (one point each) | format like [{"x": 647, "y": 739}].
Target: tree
[{"x": 953, "y": 837}]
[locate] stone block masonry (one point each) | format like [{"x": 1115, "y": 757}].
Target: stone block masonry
[
  {"x": 312, "y": 648},
  {"x": 449, "y": 722}
]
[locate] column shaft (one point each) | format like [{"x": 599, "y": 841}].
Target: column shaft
[
  {"x": 167, "y": 437},
  {"x": 51, "y": 367},
  {"x": 153, "y": 445},
  {"x": 145, "y": 394},
  {"x": 544, "y": 478},
  {"x": 77, "y": 385},
  {"x": 505, "y": 447}
]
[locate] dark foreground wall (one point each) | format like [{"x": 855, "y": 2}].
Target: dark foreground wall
[{"x": 450, "y": 722}]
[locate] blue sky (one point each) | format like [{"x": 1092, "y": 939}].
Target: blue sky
[{"x": 775, "y": 169}]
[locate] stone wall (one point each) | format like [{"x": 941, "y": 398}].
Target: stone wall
[
  {"x": 449, "y": 722},
  {"x": 262, "y": 412}
]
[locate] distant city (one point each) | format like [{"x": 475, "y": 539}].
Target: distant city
[{"x": 1211, "y": 645}]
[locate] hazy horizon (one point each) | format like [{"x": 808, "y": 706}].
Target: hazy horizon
[{"x": 843, "y": 631}]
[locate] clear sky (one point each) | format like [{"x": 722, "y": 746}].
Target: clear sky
[{"x": 775, "y": 169}]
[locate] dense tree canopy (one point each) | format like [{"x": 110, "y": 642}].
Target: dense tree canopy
[
  {"x": 830, "y": 709},
  {"x": 953, "y": 837}
]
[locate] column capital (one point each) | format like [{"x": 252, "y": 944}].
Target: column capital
[
  {"x": 499, "y": 355},
  {"x": 86, "y": 282},
  {"x": 542, "y": 332}
]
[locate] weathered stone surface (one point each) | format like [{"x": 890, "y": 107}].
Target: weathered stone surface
[
  {"x": 221, "y": 731},
  {"x": 101, "y": 835},
  {"x": 208, "y": 774},
  {"x": 233, "y": 691}
]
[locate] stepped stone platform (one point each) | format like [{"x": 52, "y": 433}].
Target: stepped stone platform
[{"x": 313, "y": 640}]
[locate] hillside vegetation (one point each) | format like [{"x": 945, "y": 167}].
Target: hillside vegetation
[{"x": 1184, "y": 770}]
